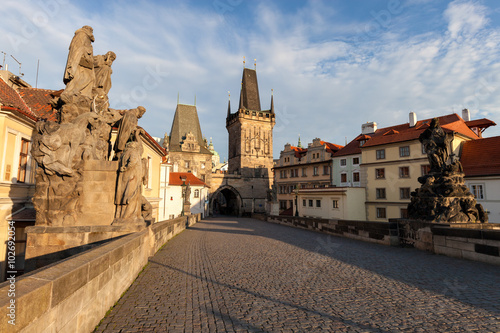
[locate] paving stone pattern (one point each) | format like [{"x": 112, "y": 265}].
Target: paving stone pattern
[{"x": 245, "y": 275}]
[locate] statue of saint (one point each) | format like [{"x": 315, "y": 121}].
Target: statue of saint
[
  {"x": 187, "y": 194},
  {"x": 436, "y": 143},
  {"x": 127, "y": 129},
  {"x": 128, "y": 196},
  {"x": 79, "y": 74},
  {"x": 103, "y": 71}
]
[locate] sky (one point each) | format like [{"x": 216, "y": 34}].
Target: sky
[{"x": 332, "y": 65}]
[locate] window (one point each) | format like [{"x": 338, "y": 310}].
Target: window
[
  {"x": 381, "y": 214},
  {"x": 296, "y": 172},
  {"x": 343, "y": 178},
  {"x": 150, "y": 172},
  {"x": 425, "y": 169},
  {"x": 404, "y": 172},
  {"x": 404, "y": 193},
  {"x": 355, "y": 160},
  {"x": 477, "y": 190},
  {"x": 318, "y": 203},
  {"x": 315, "y": 171},
  {"x": 404, "y": 151},
  {"x": 423, "y": 149},
  {"x": 304, "y": 174},
  {"x": 310, "y": 203},
  {"x": 335, "y": 204},
  {"x": 186, "y": 164},
  {"x": 380, "y": 192},
  {"x": 202, "y": 165},
  {"x": 303, "y": 202},
  {"x": 379, "y": 173},
  {"x": 23, "y": 161},
  {"x": 196, "y": 193},
  {"x": 355, "y": 177},
  {"x": 326, "y": 170},
  {"x": 403, "y": 213},
  {"x": 380, "y": 154},
  {"x": 343, "y": 162},
  {"x": 362, "y": 142}
]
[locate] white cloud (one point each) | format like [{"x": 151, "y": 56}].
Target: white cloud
[{"x": 328, "y": 75}]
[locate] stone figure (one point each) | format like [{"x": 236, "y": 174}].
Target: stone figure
[
  {"x": 146, "y": 211},
  {"x": 79, "y": 73},
  {"x": 443, "y": 196},
  {"x": 128, "y": 196},
  {"x": 166, "y": 141},
  {"x": 187, "y": 194},
  {"x": 103, "y": 71},
  {"x": 127, "y": 129},
  {"x": 436, "y": 144}
]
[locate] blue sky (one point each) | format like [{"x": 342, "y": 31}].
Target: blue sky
[{"x": 333, "y": 65}]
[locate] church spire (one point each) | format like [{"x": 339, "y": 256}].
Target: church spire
[
  {"x": 299, "y": 145},
  {"x": 228, "y": 105},
  {"x": 272, "y": 100}
]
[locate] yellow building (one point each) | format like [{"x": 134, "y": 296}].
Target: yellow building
[
  {"x": 17, "y": 168},
  {"x": 393, "y": 158},
  {"x": 302, "y": 168}
]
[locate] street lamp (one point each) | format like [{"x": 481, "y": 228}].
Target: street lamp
[
  {"x": 296, "y": 191},
  {"x": 183, "y": 193}
]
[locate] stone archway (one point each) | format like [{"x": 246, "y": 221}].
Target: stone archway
[{"x": 226, "y": 201}]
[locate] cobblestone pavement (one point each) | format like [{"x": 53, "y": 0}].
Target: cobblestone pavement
[{"x": 244, "y": 275}]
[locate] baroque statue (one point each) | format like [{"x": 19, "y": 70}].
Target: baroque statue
[
  {"x": 73, "y": 153},
  {"x": 443, "y": 196}
]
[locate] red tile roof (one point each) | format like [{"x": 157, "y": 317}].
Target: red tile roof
[
  {"x": 11, "y": 101},
  {"x": 299, "y": 152},
  {"x": 481, "y": 157},
  {"x": 175, "y": 179},
  {"x": 403, "y": 132},
  {"x": 38, "y": 100},
  {"x": 481, "y": 123},
  {"x": 331, "y": 147}
]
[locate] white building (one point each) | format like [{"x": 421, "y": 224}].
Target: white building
[
  {"x": 172, "y": 186},
  {"x": 339, "y": 203},
  {"x": 481, "y": 162}
]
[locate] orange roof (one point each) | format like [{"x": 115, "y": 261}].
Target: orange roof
[
  {"x": 299, "y": 152},
  {"x": 331, "y": 147},
  {"x": 10, "y": 100},
  {"x": 481, "y": 157},
  {"x": 403, "y": 132},
  {"x": 38, "y": 100},
  {"x": 176, "y": 179},
  {"x": 480, "y": 123}
]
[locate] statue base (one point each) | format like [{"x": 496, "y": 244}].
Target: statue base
[{"x": 46, "y": 245}]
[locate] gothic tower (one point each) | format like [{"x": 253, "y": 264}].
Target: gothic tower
[{"x": 250, "y": 132}]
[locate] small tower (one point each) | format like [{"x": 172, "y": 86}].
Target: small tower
[{"x": 250, "y": 131}]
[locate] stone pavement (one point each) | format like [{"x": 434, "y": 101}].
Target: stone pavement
[{"x": 244, "y": 275}]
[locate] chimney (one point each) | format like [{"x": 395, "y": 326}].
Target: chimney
[
  {"x": 466, "y": 114},
  {"x": 413, "y": 119},
  {"x": 369, "y": 128}
]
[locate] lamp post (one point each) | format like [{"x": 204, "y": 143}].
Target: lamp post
[
  {"x": 183, "y": 193},
  {"x": 296, "y": 191}
]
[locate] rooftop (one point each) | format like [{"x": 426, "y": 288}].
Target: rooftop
[
  {"x": 481, "y": 157},
  {"x": 176, "y": 179}
]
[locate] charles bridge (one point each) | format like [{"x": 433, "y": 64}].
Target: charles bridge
[{"x": 225, "y": 274}]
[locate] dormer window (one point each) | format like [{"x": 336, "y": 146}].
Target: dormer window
[{"x": 362, "y": 142}]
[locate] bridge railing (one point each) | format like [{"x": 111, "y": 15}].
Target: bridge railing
[{"x": 75, "y": 294}]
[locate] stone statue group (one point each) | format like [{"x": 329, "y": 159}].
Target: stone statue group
[{"x": 83, "y": 133}]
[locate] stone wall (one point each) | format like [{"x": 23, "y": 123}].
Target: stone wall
[
  {"x": 473, "y": 241},
  {"x": 374, "y": 232},
  {"x": 75, "y": 294}
]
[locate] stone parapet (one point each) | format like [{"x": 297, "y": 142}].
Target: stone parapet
[{"x": 75, "y": 294}]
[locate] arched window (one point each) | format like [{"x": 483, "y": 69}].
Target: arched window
[{"x": 196, "y": 193}]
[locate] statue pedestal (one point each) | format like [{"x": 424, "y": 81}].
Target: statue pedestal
[
  {"x": 187, "y": 209},
  {"x": 46, "y": 244},
  {"x": 85, "y": 199},
  {"x": 273, "y": 208}
]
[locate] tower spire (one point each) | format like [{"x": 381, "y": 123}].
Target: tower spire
[
  {"x": 272, "y": 100},
  {"x": 229, "y": 104},
  {"x": 299, "y": 143}
]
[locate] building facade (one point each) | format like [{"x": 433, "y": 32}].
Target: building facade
[
  {"x": 393, "y": 158},
  {"x": 302, "y": 168},
  {"x": 481, "y": 162}
]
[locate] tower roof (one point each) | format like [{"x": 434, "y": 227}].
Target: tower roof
[
  {"x": 249, "y": 97},
  {"x": 186, "y": 121}
]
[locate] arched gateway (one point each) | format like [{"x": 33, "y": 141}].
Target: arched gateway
[{"x": 226, "y": 201}]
